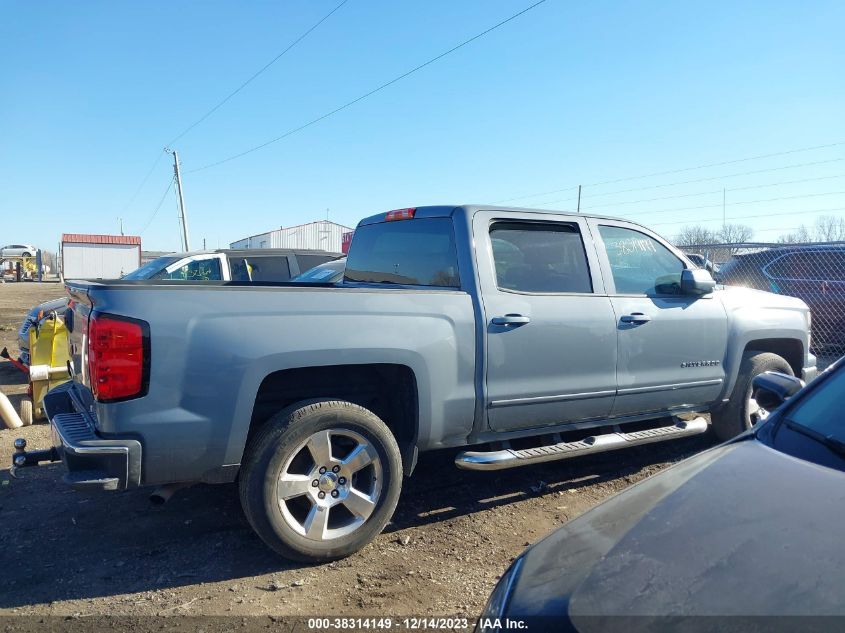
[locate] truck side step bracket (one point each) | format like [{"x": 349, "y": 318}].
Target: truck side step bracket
[{"x": 511, "y": 458}]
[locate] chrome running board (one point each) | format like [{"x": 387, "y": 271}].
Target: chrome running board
[{"x": 511, "y": 458}]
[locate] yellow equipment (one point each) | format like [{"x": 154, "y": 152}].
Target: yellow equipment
[
  {"x": 48, "y": 350},
  {"x": 28, "y": 266}
]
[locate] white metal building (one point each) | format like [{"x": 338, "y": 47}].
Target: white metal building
[
  {"x": 322, "y": 235},
  {"x": 99, "y": 256}
]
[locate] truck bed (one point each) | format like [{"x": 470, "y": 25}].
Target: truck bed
[{"x": 212, "y": 345}]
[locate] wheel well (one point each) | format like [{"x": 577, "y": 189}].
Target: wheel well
[
  {"x": 791, "y": 350},
  {"x": 389, "y": 391}
]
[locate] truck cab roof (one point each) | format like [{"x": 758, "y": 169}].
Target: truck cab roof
[
  {"x": 444, "y": 211},
  {"x": 252, "y": 251}
]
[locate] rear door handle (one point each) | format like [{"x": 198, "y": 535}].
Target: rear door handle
[
  {"x": 635, "y": 317},
  {"x": 510, "y": 319}
]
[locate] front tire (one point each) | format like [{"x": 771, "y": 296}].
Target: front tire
[
  {"x": 741, "y": 412},
  {"x": 320, "y": 480}
]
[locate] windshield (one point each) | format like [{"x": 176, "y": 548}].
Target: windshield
[
  {"x": 151, "y": 268},
  {"x": 328, "y": 272},
  {"x": 821, "y": 411}
]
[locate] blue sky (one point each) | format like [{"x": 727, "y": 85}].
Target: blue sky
[{"x": 568, "y": 93}]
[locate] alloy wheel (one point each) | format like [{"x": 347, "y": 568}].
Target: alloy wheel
[{"x": 330, "y": 485}]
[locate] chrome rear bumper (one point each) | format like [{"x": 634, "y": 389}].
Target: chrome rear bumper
[{"x": 93, "y": 462}]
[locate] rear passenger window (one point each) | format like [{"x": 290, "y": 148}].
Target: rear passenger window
[
  {"x": 640, "y": 264},
  {"x": 266, "y": 268},
  {"x": 413, "y": 252},
  {"x": 537, "y": 257}
]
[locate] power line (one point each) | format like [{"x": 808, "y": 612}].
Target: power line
[
  {"x": 748, "y": 217},
  {"x": 678, "y": 171},
  {"x": 720, "y": 164},
  {"x": 158, "y": 206},
  {"x": 797, "y": 228},
  {"x": 708, "y": 179},
  {"x": 791, "y": 228},
  {"x": 228, "y": 97},
  {"x": 715, "y": 191},
  {"x": 729, "y": 204},
  {"x": 786, "y": 182},
  {"x": 370, "y": 93},
  {"x": 143, "y": 182},
  {"x": 257, "y": 73}
]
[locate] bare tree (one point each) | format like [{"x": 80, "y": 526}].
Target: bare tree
[
  {"x": 801, "y": 235},
  {"x": 829, "y": 228},
  {"x": 735, "y": 234},
  {"x": 695, "y": 235}
]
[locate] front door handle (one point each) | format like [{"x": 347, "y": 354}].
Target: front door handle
[
  {"x": 510, "y": 319},
  {"x": 635, "y": 317}
]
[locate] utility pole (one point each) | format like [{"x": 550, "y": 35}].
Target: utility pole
[
  {"x": 723, "y": 208},
  {"x": 183, "y": 215},
  {"x": 120, "y": 222},
  {"x": 579, "y": 198}
]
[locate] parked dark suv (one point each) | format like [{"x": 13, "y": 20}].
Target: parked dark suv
[{"x": 813, "y": 273}]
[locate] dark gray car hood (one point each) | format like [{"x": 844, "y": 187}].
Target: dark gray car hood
[{"x": 739, "y": 530}]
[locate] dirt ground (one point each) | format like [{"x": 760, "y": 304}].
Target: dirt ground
[{"x": 454, "y": 532}]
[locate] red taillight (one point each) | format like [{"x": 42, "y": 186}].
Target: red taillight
[
  {"x": 117, "y": 356},
  {"x": 399, "y": 214}
]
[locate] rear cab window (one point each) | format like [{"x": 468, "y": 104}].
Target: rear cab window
[{"x": 416, "y": 252}]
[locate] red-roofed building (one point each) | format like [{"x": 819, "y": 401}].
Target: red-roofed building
[{"x": 99, "y": 256}]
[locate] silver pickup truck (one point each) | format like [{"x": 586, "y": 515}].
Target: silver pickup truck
[{"x": 523, "y": 335}]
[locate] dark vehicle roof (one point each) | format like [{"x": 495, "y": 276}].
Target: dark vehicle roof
[
  {"x": 254, "y": 251},
  {"x": 276, "y": 251},
  {"x": 777, "y": 251},
  {"x": 741, "y": 529}
]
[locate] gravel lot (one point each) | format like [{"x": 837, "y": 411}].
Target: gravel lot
[{"x": 68, "y": 553}]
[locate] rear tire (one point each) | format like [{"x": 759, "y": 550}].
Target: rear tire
[
  {"x": 351, "y": 455},
  {"x": 739, "y": 413}
]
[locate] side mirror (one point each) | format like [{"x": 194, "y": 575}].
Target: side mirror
[
  {"x": 772, "y": 388},
  {"x": 697, "y": 281}
]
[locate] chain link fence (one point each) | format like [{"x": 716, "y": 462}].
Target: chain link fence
[{"x": 813, "y": 272}]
